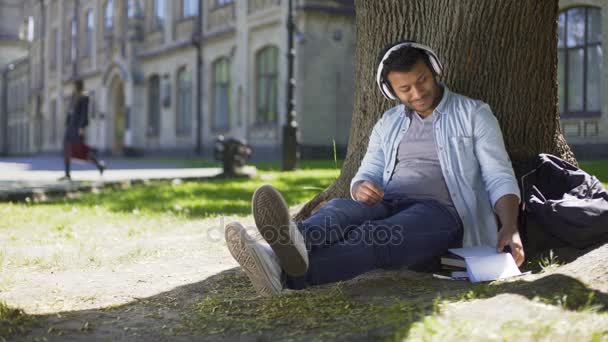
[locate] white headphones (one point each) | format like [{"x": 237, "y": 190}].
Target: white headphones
[{"x": 383, "y": 84}]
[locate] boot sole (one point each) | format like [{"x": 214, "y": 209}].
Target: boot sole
[
  {"x": 239, "y": 244},
  {"x": 271, "y": 216}
]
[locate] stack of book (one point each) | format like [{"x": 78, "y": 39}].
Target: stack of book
[
  {"x": 477, "y": 264},
  {"x": 452, "y": 262}
]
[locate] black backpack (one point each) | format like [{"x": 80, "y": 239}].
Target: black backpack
[{"x": 566, "y": 202}]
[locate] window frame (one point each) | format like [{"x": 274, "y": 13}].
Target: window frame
[
  {"x": 219, "y": 63},
  {"x": 73, "y": 40},
  {"x": 31, "y": 29},
  {"x": 193, "y": 9},
  {"x": 89, "y": 32},
  {"x": 158, "y": 21},
  {"x": 268, "y": 77},
  {"x": 223, "y": 3},
  {"x": 564, "y": 51},
  {"x": 184, "y": 103},
  {"x": 108, "y": 16},
  {"x": 154, "y": 106}
]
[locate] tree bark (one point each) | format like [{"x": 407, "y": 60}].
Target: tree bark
[{"x": 501, "y": 52}]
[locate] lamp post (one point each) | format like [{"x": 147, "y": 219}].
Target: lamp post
[{"x": 291, "y": 153}]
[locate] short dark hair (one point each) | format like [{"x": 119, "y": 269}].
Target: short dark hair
[{"x": 404, "y": 59}]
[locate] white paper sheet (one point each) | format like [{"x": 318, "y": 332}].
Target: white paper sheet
[
  {"x": 474, "y": 251},
  {"x": 491, "y": 267}
]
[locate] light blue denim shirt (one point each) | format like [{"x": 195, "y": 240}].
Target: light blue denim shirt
[{"x": 472, "y": 154}]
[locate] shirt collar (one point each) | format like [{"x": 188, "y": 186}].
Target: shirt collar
[{"x": 443, "y": 104}]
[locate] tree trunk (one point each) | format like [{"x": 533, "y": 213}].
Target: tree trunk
[{"x": 502, "y": 52}]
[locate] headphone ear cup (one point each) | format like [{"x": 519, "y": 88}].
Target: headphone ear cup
[
  {"x": 388, "y": 91},
  {"x": 435, "y": 64}
]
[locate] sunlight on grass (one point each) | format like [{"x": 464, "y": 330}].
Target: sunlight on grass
[
  {"x": 206, "y": 198},
  {"x": 598, "y": 168},
  {"x": 119, "y": 226}
]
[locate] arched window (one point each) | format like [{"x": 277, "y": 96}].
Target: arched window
[
  {"x": 189, "y": 8},
  {"x": 31, "y": 27},
  {"x": 267, "y": 73},
  {"x": 580, "y": 62},
  {"x": 159, "y": 13},
  {"x": 109, "y": 15},
  {"x": 73, "y": 40},
  {"x": 221, "y": 94},
  {"x": 184, "y": 102},
  {"x": 153, "y": 128},
  {"x": 88, "y": 49}
]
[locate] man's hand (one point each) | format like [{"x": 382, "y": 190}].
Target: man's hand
[
  {"x": 368, "y": 193},
  {"x": 509, "y": 236},
  {"x": 81, "y": 132}
]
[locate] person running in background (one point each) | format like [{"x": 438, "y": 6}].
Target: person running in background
[{"x": 76, "y": 122}]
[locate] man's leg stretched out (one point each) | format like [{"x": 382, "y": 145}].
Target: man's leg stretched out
[{"x": 342, "y": 240}]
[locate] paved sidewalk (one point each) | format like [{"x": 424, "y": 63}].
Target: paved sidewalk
[{"x": 38, "y": 176}]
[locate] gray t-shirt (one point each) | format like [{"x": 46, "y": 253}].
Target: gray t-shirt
[{"x": 417, "y": 172}]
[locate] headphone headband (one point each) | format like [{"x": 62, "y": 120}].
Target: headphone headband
[{"x": 383, "y": 84}]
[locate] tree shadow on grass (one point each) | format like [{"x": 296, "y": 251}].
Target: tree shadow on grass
[{"x": 378, "y": 305}]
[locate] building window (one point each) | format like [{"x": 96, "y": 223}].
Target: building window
[
  {"x": 184, "y": 102},
  {"x": 267, "y": 84},
  {"x": 221, "y": 94},
  {"x": 189, "y": 8},
  {"x": 131, "y": 9},
  {"x": 53, "y": 121},
  {"x": 109, "y": 16},
  {"x": 154, "y": 106},
  {"x": 159, "y": 13},
  {"x": 31, "y": 34},
  {"x": 222, "y": 3},
  {"x": 53, "y": 48},
  {"x": 580, "y": 62},
  {"x": 73, "y": 40},
  {"x": 88, "y": 50}
]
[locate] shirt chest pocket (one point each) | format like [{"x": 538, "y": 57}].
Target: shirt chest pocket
[{"x": 464, "y": 153}]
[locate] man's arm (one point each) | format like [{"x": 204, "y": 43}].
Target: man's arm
[
  {"x": 507, "y": 209},
  {"x": 499, "y": 179},
  {"x": 372, "y": 164}
]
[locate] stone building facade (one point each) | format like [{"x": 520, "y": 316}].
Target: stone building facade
[
  {"x": 138, "y": 60},
  {"x": 13, "y": 70}
]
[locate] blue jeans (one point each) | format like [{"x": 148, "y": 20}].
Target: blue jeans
[{"x": 346, "y": 238}]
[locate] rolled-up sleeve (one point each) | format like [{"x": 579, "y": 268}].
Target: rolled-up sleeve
[
  {"x": 373, "y": 162},
  {"x": 496, "y": 168}
]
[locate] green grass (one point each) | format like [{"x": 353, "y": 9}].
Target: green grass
[
  {"x": 130, "y": 215},
  {"x": 598, "y": 168},
  {"x": 331, "y": 312},
  {"x": 112, "y": 228},
  {"x": 13, "y": 321},
  {"x": 212, "y": 197}
]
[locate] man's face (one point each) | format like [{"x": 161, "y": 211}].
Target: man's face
[{"x": 416, "y": 88}]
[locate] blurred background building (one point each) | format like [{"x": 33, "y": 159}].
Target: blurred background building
[{"x": 138, "y": 60}]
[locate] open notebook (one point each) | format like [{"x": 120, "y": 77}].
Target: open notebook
[{"x": 485, "y": 264}]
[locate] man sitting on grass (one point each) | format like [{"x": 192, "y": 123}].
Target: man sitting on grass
[{"x": 435, "y": 175}]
